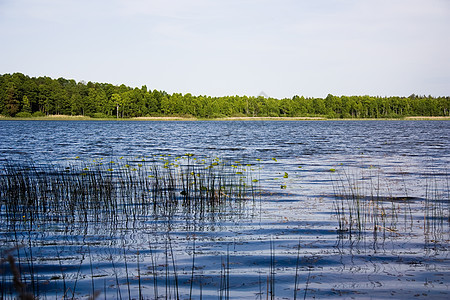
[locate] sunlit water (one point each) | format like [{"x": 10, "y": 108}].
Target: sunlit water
[{"x": 285, "y": 242}]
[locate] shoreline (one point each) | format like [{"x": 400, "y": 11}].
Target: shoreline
[{"x": 174, "y": 118}]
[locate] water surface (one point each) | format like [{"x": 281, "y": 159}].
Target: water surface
[{"x": 287, "y": 242}]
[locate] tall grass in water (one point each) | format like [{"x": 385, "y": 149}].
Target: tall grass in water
[
  {"x": 436, "y": 212},
  {"x": 368, "y": 203},
  {"x": 80, "y": 194}
]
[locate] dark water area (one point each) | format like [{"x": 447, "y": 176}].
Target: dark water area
[
  {"x": 334, "y": 209},
  {"x": 51, "y": 140}
]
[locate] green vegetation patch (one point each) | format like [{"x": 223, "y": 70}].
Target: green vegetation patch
[{"x": 21, "y": 95}]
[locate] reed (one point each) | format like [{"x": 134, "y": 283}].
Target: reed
[
  {"x": 175, "y": 274},
  {"x": 154, "y": 272},
  {"x": 297, "y": 264},
  {"x": 192, "y": 268},
  {"x": 133, "y": 196},
  {"x": 139, "y": 277},
  {"x": 119, "y": 294},
  {"x": 369, "y": 205},
  {"x": 307, "y": 283},
  {"x": 126, "y": 273},
  {"x": 224, "y": 288},
  {"x": 94, "y": 292},
  {"x": 95, "y": 192},
  {"x": 272, "y": 273},
  {"x": 114, "y": 193}
]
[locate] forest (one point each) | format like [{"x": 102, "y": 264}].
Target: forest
[{"x": 24, "y": 96}]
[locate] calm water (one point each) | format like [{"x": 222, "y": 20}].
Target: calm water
[{"x": 288, "y": 240}]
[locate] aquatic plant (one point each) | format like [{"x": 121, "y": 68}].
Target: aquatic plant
[
  {"x": 81, "y": 195},
  {"x": 366, "y": 203},
  {"x": 132, "y": 232},
  {"x": 70, "y": 192}
]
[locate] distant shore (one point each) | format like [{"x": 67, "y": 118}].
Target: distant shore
[{"x": 175, "y": 118}]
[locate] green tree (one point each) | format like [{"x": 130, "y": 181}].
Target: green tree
[
  {"x": 12, "y": 104},
  {"x": 319, "y": 106},
  {"x": 26, "y": 107},
  {"x": 117, "y": 100}
]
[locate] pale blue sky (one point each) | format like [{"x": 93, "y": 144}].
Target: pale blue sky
[{"x": 234, "y": 47}]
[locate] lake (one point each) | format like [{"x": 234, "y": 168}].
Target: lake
[{"x": 226, "y": 209}]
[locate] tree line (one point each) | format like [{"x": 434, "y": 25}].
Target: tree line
[{"x": 23, "y": 96}]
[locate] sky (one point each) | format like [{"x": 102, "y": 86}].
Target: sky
[{"x": 283, "y": 48}]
